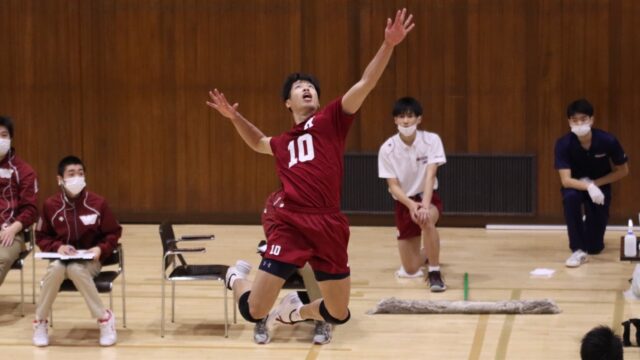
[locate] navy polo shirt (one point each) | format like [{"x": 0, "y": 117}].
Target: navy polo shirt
[{"x": 592, "y": 163}]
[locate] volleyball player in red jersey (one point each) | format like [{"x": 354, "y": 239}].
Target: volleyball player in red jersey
[{"x": 309, "y": 161}]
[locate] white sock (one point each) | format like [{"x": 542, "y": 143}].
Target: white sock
[{"x": 434, "y": 268}]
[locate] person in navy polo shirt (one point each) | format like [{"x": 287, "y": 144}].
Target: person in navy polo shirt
[{"x": 588, "y": 161}]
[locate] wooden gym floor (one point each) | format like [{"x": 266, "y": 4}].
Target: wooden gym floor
[{"x": 498, "y": 263}]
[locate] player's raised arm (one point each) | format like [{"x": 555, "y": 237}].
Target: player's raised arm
[
  {"x": 249, "y": 132},
  {"x": 394, "y": 33}
]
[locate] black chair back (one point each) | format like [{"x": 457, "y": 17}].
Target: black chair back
[
  {"x": 168, "y": 239},
  {"x": 115, "y": 258}
]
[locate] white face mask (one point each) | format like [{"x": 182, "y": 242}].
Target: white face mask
[
  {"x": 581, "y": 130},
  {"x": 5, "y": 145},
  {"x": 74, "y": 184},
  {"x": 407, "y": 131}
]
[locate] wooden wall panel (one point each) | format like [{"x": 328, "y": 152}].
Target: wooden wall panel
[{"x": 122, "y": 83}]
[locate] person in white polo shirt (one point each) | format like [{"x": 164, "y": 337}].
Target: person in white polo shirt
[{"x": 409, "y": 160}]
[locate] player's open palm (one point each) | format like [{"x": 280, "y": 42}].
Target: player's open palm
[
  {"x": 219, "y": 102},
  {"x": 398, "y": 28}
]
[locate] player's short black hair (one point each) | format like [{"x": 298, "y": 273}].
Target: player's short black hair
[
  {"x": 580, "y": 106},
  {"x": 292, "y": 78},
  {"x": 407, "y": 105},
  {"x": 601, "y": 343},
  {"x": 8, "y": 123},
  {"x": 69, "y": 160}
]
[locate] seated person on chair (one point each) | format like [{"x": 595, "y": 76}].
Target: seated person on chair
[
  {"x": 72, "y": 220},
  {"x": 323, "y": 330},
  {"x": 18, "y": 209}
]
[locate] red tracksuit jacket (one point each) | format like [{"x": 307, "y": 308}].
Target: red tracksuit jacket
[
  {"x": 18, "y": 191},
  {"x": 83, "y": 222}
]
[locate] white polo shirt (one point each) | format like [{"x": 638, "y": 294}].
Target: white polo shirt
[{"x": 407, "y": 163}]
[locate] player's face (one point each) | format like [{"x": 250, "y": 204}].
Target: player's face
[
  {"x": 303, "y": 97},
  {"x": 407, "y": 119},
  {"x": 580, "y": 119}
]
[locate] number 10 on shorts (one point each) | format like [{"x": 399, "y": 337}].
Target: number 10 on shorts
[{"x": 275, "y": 250}]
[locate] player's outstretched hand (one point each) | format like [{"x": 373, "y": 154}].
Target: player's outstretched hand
[
  {"x": 398, "y": 28},
  {"x": 219, "y": 102}
]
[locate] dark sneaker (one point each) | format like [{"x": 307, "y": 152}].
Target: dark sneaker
[
  {"x": 435, "y": 281},
  {"x": 322, "y": 333}
]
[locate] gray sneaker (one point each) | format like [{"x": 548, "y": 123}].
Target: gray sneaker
[
  {"x": 322, "y": 333},
  {"x": 261, "y": 332}
]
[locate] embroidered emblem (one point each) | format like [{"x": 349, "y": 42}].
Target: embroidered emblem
[
  {"x": 89, "y": 219},
  {"x": 6, "y": 173}
]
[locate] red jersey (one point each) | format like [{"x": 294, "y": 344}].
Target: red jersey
[
  {"x": 309, "y": 159},
  {"x": 83, "y": 222},
  {"x": 19, "y": 189}
]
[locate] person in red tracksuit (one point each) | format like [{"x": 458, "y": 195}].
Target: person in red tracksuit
[
  {"x": 18, "y": 199},
  {"x": 72, "y": 220}
]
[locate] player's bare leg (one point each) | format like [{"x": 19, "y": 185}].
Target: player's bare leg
[
  {"x": 323, "y": 331},
  {"x": 431, "y": 237},
  {"x": 412, "y": 257},
  {"x": 262, "y": 292},
  {"x": 431, "y": 240},
  {"x": 335, "y": 294},
  {"x": 332, "y": 308}
]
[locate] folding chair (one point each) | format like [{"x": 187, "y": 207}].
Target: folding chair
[{"x": 186, "y": 272}]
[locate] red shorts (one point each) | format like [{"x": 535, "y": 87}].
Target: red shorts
[
  {"x": 407, "y": 229},
  {"x": 295, "y": 237},
  {"x": 268, "y": 214}
]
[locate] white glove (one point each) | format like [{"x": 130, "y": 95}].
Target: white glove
[{"x": 596, "y": 194}]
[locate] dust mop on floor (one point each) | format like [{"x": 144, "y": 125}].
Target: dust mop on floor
[{"x": 399, "y": 306}]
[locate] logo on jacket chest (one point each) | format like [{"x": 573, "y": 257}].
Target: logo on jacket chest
[
  {"x": 89, "y": 219},
  {"x": 85, "y": 219},
  {"x": 6, "y": 173}
]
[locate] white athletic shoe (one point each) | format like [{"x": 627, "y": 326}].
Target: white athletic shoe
[
  {"x": 322, "y": 333},
  {"x": 287, "y": 307},
  {"x": 402, "y": 273},
  {"x": 576, "y": 259},
  {"x": 40, "y": 332},
  {"x": 108, "y": 334},
  {"x": 261, "y": 332},
  {"x": 240, "y": 271}
]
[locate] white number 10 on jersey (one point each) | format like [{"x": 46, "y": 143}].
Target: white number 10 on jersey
[{"x": 305, "y": 149}]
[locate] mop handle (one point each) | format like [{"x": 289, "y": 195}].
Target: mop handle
[{"x": 466, "y": 286}]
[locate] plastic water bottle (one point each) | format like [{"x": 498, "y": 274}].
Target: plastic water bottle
[{"x": 630, "y": 248}]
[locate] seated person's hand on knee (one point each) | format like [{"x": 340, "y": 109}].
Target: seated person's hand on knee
[
  {"x": 7, "y": 234},
  {"x": 96, "y": 252},
  {"x": 413, "y": 210},
  {"x": 423, "y": 217}
]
